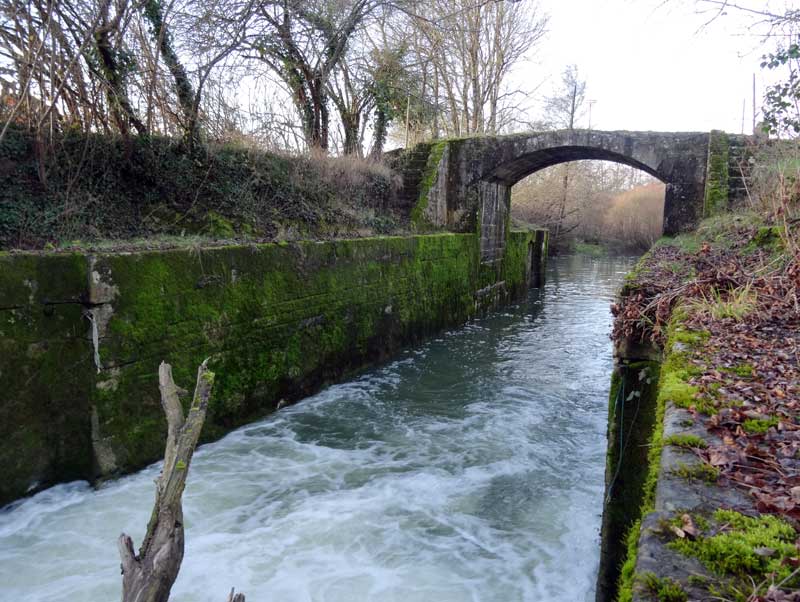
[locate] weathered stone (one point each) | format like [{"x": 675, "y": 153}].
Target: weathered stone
[
  {"x": 45, "y": 372},
  {"x": 81, "y": 337},
  {"x": 466, "y": 184}
]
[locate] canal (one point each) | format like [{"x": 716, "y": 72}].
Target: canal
[{"x": 470, "y": 468}]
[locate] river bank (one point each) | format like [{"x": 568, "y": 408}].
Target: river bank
[{"x": 716, "y": 312}]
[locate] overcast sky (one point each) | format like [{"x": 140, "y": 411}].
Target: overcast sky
[{"x": 653, "y": 67}]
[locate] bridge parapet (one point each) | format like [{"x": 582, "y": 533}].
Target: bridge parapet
[{"x": 467, "y": 182}]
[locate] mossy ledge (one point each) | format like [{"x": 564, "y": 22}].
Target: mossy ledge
[
  {"x": 715, "y": 200},
  {"x": 687, "y": 534},
  {"x": 278, "y": 321},
  {"x": 418, "y": 217},
  {"x": 632, "y": 479}
]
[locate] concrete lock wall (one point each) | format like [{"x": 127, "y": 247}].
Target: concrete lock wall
[{"x": 81, "y": 336}]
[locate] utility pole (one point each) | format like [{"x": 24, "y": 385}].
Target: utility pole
[
  {"x": 744, "y": 102},
  {"x": 754, "y": 103}
]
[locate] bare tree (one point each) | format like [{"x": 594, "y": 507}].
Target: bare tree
[
  {"x": 562, "y": 110},
  {"x": 565, "y": 106},
  {"x": 467, "y": 48},
  {"x": 303, "y": 42}
]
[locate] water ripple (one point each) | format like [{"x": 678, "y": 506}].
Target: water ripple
[{"x": 468, "y": 469}]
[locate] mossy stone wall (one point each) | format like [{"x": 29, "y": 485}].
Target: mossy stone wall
[
  {"x": 716, "y": 191},
  {"x": 45, "y": 372},
  {"x": 277, "y": 320},
  {"x": 632, "y": 415}
]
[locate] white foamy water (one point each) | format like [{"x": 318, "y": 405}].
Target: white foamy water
[{"x": 469, "y": 469}]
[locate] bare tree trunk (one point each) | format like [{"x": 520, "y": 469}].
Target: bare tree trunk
[
  {"x": 148, "y": 576},
  {"x": 562, "y": 212},
  {"x": 184, "y": 89},
  {"x": 116, "y": 89}
]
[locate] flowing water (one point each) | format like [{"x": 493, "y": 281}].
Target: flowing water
[{"x": 470, "y": 468}]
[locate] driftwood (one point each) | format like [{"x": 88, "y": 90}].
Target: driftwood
[
  {"x": 148, "y": 576},
  {"x": 235, "y": 597}
]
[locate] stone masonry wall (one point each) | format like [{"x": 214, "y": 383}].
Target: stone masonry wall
[{"x": 81, "y": 336}]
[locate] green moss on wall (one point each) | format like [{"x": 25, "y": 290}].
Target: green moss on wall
[
  {"x": 716, "y": 193},
  {"x": 45, "y": 373},
  {"x": 673, "y": 387},
  {"x": 627, "y": 573},
  {"x": 418, "y": 218},
  {"x": 518, "y": 257},
  {"x": 631, "y": 420},
  {"x": 276, "y": 320}
]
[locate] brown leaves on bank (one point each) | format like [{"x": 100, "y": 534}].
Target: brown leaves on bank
[
  {"x": 745, "y": 295},
  {"x": 751, "y": 378},
  {"x": 713, "y": 274}
]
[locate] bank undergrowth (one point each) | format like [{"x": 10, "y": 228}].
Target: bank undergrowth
[
  {"x": 77, "y": 189},
  {"x": 734, "y": 284}
]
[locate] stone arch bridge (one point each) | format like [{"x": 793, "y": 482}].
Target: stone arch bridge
[{"x": 465, "y": 184}]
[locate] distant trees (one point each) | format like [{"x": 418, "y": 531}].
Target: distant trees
[
  {"x": 338, "y": 72},
  {"x": 597, "y": 207},
  {"x": 562, "y": 111}
]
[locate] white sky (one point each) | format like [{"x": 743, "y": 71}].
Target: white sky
[{"x": 651, "y": 66}]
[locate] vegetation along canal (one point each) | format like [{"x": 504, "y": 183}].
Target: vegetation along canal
[{"x": 469, "y": 468}]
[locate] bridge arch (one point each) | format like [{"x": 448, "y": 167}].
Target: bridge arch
[
  {"x": 466, "y": 183},
  {"x": 517, "y": 169}
]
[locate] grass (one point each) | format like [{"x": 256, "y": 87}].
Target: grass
[
  {"x": 734, "y": 304},
  {"x": 697, "y": 472},
  {"x": 686, "y": 441}
]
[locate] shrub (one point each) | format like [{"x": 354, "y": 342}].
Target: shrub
[{"x": 91, "y": 187}]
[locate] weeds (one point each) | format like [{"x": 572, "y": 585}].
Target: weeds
[
  {"x": 686, "y": 441},
  {"x": 734, "y": 304},
  {"x": 91, "y": 187}
]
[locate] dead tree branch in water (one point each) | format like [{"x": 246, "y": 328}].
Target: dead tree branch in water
[{"x": 149, "y": 576}]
